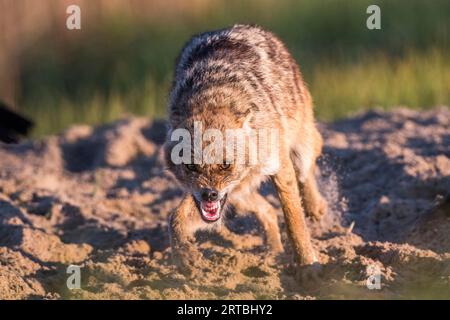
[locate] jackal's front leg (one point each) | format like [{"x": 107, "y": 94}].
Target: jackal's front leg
[
  {"x": 286, "y": 184},
  {"x": 181, "y": 230}
]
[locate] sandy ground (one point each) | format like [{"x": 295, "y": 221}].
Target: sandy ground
[{"x": 100, "y": 197}]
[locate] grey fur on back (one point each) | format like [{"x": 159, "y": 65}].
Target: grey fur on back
[{"x": 241, "y": 63}]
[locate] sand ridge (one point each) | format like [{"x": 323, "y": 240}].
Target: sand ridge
[{"x": 100, "y": 197}]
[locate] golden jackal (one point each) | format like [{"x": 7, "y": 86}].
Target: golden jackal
[{"x": 242, "y": 78}]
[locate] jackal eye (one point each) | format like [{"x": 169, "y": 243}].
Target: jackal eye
[
  {"x": 225, "y": 166},
  {"x": 191, "y": 167}
]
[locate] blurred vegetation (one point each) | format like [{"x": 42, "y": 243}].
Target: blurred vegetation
[{"x": 123, "y": 62}]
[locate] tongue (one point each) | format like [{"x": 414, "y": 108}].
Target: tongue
[{"x": 210, "y": 209}]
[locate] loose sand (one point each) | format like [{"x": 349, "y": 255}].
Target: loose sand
[{"x": 100, "y": 197}]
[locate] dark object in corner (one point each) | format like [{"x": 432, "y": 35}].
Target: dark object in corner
[
  {"x": 12, "y": 125},
  {"x": 445, "y": 205}
]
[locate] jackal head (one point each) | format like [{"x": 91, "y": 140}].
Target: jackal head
[{"x": 206, "y": 155}]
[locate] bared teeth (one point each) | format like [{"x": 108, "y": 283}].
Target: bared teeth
[
  {"x": 210, "y": 209},
  {"x": 210, "y": 205}
]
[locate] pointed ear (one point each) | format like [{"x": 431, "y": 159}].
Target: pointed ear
[
  {"x": 248, "y": 115},
  {"x": 247, "y": 118}
]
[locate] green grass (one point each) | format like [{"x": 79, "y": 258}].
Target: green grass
[
  {"x": 124, "y": 64},
  {"x": 417, "y": 81}
]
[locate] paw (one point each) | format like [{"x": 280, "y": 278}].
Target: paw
[
  {"x": 275, "y": 247},
  {"x": 187, "y": 261},
  {"x": 311, "y": 273}
]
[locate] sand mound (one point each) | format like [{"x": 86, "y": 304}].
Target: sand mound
[{"x": 100, "y": 197}]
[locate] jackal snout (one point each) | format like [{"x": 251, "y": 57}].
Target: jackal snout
[{"x": 209, "y": 184}]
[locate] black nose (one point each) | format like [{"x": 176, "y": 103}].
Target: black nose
[{"x": 209, "y": 195}]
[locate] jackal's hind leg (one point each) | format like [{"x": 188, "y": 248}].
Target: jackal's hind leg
[
  {"x": 266, "y": 215},
  {"x": 304, "y": 160},
  {"x": 313, "y": 202}
]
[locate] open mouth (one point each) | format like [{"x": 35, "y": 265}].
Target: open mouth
[{"x": 211, "y": 210}]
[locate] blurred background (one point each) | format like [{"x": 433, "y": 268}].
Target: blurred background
[{"x": 121, "y": 61}]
